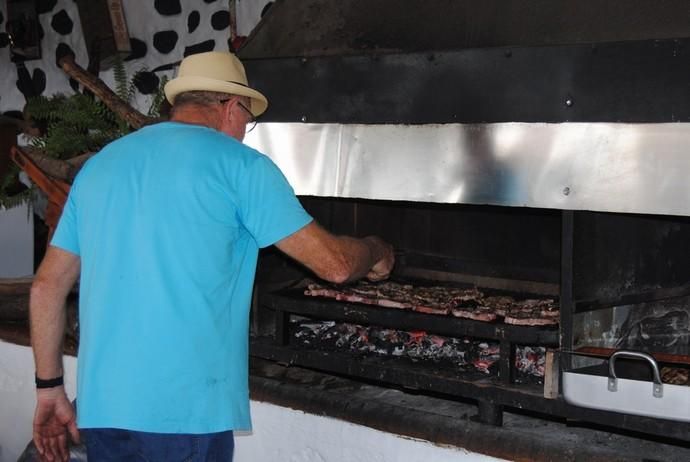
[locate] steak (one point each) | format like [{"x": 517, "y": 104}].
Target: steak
[{"x": 441, "y": 300}]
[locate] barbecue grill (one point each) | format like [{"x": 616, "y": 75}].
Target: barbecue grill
[{"x": 536, "y": 150}]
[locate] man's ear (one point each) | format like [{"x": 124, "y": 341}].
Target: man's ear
[
  {"x": 227, "y": 108},
  {"x": 225, "y": 113}
]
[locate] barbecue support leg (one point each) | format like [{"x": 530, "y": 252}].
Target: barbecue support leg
[
  {"x": 490, "y": 413},
  {"x": 506, "y": 361},
  {"x": 567, "y": 309},
  {"x": 282, "y": 327}
]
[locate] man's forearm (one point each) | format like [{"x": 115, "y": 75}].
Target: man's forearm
[
  {"x": 338, "y": 258},
  {"x": 47, "y": 311},
  {"x": 52, "y": 283}
]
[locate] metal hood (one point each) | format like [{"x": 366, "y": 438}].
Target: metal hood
[{"x": 568, "y": 105}]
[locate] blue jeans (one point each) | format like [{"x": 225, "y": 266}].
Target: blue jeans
[{"x": 115, "y": 445}]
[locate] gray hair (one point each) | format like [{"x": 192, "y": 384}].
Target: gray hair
[{"x": 200, "y": 98}]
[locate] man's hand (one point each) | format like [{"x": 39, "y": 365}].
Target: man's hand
[
  {"x": 53, "y": 420},
  {"x": 384, "y": 265}
]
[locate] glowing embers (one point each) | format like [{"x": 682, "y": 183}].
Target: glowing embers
[{"x": 457, "y": 354}]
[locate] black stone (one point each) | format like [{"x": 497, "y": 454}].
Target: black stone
[
  {"x": 209, "y": 1},
  {"x": 166, "y": 67},
  {"x": 45, "y": 6},
  {"x": 4, "y": 39},
  {"x": 165, "y": 41},
  {"x": 74, "y": 84},
  {"x": 62, "y": 24},
  {"x": 193, "y": 21},
  {"x": 39, "y": 80},
  {"x": 24, "y": 83},
  {"x": 139, "y": 49},
  {"x": 168, "y": 7},
  {"x": 220, "y": 20},
  {"x": 2, "y": 18},
  {"x": 30, "y": 85},
  {"x": 41, "y": 32},
  {"x": 61, "y": 51},
  {"x": 146, "y": 82},
  {"x": 208, "y": 45}
]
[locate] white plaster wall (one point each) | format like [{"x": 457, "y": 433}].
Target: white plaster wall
[
  {"x": 16, "y": 242},
  {"x": 279, "y": 434},
  {"x": 287, "y": 435}
]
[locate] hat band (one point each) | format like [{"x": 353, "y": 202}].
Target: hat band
[{"x": 238, "y": 83}]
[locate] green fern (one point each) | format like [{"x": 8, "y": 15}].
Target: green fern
[
  {"x": 73, "y": 125},
  {"x": 121, "y": 81},
  {"x": 158, "y": 99}
]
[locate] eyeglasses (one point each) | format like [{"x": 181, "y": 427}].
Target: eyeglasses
[{"x": 251, "y": 121}]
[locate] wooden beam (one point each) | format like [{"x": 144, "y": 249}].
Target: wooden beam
[{"x": 116, "y": 104}]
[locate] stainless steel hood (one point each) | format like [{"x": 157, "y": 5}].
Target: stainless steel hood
[{"x": 635, "y": 168}]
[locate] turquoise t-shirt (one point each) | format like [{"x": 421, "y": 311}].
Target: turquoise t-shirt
[{"x": 168, "y": 222}]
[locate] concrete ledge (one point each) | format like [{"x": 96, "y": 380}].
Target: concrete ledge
[{"x": 447, "y": 422}]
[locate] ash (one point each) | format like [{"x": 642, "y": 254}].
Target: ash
[{"x": 465, "y": 354}]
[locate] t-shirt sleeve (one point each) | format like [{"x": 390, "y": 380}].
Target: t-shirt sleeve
[
  {"x": 269, "y": 209},
  {"x": 66, "y": 235}
]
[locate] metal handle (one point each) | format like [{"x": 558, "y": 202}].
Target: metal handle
[{"x": 657, "y": 388}]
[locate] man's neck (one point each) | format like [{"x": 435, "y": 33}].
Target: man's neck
[{"x": 196, "y": 116}]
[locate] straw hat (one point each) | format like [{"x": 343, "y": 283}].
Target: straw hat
[{"x": 214, "y": 71}]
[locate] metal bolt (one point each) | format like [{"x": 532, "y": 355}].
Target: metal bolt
[
  {"x": 304, "y": 60},
  {"x": 569, "y": 102},
  {"x": 304, "y": 118},
  {"x": 566, "y": 191}
]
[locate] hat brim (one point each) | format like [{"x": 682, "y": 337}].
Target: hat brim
[{"x": 193, "y": 83}]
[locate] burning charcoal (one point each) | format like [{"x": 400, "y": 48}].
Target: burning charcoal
[
  {"x": 487, "y": 354},
  {"x": 313, "y": 330},
  {"x": 415, "y": 345},
  {"x": 482, "y": 365},
  {"x": 345, "y": 333},
  {"x": 530, "y": 360}
]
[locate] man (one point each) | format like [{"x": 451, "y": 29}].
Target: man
[{"x": 163, "y": 227}]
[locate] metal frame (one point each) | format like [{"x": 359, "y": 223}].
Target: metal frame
[
  {"x": 492, "y": 394},
  {"x": 490, "y": 404},
  {"x": 295, "y": 303},
  {"x": 566, "y": 287}
]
